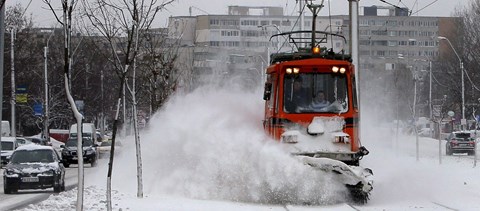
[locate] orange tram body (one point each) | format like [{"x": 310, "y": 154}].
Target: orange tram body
[{"x": 311, "y": 104}]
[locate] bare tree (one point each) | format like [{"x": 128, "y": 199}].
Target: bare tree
[
  {"x": 67, "y": 9},
  {"x": 160, "y": 75},
  {"x": 121, "y": 23}
]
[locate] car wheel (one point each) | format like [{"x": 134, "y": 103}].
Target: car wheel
[
  {"x": 66, "y": 165},
  {"x": 59, "y": 186},
  {"x": 93, "y": 163},
  {"x": 63, "y": 185},
  {"x": 471, "y": 153},
  {"x": 6, "y": 189},
  {"x": 449, "y": 151}
]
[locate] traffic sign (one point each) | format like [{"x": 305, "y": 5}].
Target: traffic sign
[{"x": 37, "y": 109}]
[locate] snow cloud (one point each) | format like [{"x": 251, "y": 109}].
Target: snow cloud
[{"x": 210, "y": 144}]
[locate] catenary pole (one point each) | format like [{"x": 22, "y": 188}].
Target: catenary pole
[{"x": 2, "y": 49}]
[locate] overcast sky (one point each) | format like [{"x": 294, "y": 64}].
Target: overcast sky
[{"x": 442, "y": 8}]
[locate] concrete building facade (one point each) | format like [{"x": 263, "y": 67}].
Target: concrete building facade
[{"x": 388, "y": 36}]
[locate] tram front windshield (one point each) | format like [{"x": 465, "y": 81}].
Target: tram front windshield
[{"x": 315, "y": 93}]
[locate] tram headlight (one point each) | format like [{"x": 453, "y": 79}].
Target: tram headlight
[
  {"x": 343, "y": 70},
  {"x": 335, "y": 69},
  {"x": 296, "y": 70},
  {"x": 289, "y": 70}
]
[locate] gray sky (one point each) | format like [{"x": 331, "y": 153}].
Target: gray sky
[{"x": 443, "y": 8}]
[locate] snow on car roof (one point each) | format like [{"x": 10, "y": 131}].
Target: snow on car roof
[
  {"x": 33, "y": 147},
  {"x": 8, "y": 138}
]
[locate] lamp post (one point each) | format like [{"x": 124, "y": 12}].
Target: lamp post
[
  {"x": 463, "y": 121},
  {"x": 13, "y": 94},
  {"x": 46, "y": 134}
]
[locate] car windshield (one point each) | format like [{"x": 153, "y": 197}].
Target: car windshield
[
  {"x": 35, "y": 140},
  {"x": 7, "y": 145},
  {"x": 315, "y": 93},
  {"x": 84, "y": 135},
  {"x": 32, "y": 156},
  {"x": 463, "y": 136},
  {"x": 73, "y": 142},
  {"x": 106, "y": 143}
]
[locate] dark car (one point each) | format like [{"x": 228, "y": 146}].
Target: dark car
[
  {"x": 460, "y": 142},
  {"x": 69, "y": 152},
  {"x": 34, "y": 167}
]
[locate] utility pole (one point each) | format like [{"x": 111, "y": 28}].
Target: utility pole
[
  {"x": 45, "y": 75},
  {"x": 2, "y": 49},
  {"x": 13, "y": 94},
  {"x": 46, "y": 115},
  {"x": 12, "y": 54},
  {"x": 432, "y": 122}
]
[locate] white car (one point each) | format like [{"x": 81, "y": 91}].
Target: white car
[
  {"x": 425, "y": 132},
  {"x": 9, "y": 144},
  {"x": 105, "y": 147}
]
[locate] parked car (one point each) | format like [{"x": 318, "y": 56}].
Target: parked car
[
  {"x": 69, "y": 152},
  {"x": 39, "y": 141},
  {"x": 9, "y": 144},
  {"x": 106, "y": 146},
  {"x": 88, "y": 131},
  {"x": 34, "y": 166},
  {"x": 460, "y": 142},
  {"x": 425, "y": 132}
]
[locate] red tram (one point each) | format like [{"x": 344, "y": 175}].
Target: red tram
[{"x": 311, "y": 107}]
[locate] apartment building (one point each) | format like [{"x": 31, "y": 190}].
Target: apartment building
[{"x": 240, "y": 40}]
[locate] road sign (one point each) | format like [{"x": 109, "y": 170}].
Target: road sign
[{"x": 37, "y": 109}]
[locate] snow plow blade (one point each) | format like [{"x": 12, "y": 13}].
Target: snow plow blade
[{"x": 355, "y": 178}]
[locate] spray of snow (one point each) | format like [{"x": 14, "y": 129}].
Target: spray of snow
[{"x": 210, "y": 144}]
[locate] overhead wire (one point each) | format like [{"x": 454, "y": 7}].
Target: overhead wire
[
  {"x": 410, "y": 12},
  {"x": 296, "y": 21}
]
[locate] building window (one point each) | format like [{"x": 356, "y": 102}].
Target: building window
[
  {"x": 381, "y": 32},
  {"x": 286, "y": 23},
  {"x": 229, "y": 22},
  {"x": 364, "y": 42},
  {"x": 402, "y": 43},
  {"x": 229, "y": 33},
  {"x": 249, "y": 23},
  {"x": 363, "y": 22},
  {"x": 214, "y": 22}
]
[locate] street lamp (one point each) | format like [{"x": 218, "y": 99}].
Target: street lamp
[
  {"x": 46, "y": 134},
  {"x": 463, "y": 121}
]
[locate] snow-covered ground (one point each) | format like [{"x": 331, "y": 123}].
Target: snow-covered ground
[{"x": 207, "y": 151}]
